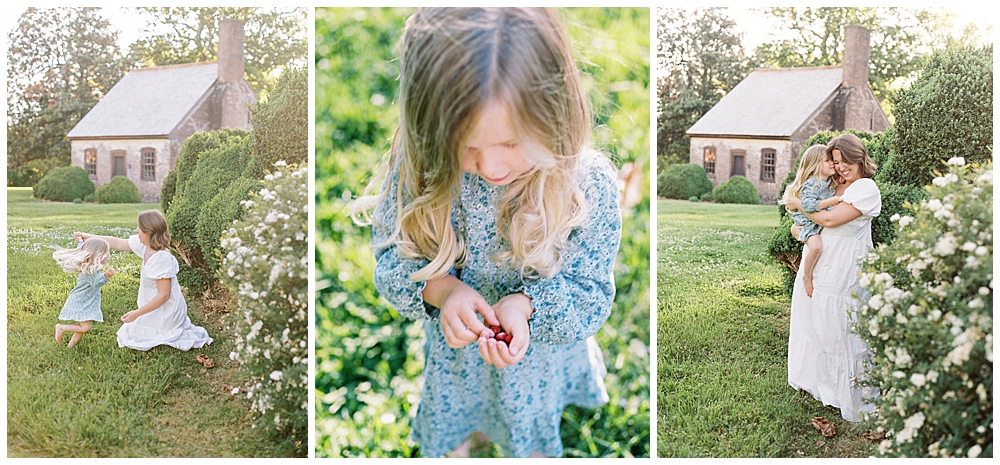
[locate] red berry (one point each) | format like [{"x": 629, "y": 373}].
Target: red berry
[
  {"x": 495, "y": 329},
  {"x": 508, "y": 338},
  {"x": 501, "y": 336}
]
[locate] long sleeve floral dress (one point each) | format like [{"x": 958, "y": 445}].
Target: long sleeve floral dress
[{"x": 518, "y": 407}]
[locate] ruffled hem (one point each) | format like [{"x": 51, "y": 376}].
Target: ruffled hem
[{"x": 140, "y": 338}]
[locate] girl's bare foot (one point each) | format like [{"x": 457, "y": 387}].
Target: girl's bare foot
[
  {"x": 476, "y": 440},
  {"x": 59, "y": 333},
  {"x": 808, "y": 284}
]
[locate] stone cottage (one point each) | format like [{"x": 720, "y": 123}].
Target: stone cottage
[
  {"x": 138, "y": 128},
  {"x": 757, "y": 130}
]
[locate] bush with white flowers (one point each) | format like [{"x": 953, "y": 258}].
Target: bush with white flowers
[
  {"x": 929, "y": 321},
  {"x": 265, "y": 266}
]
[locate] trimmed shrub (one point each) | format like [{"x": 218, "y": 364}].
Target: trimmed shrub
[
  {"x": 196, "y": 145},
  {"x": 217, "y": 168},
  {"x": 683, "y": 181},
  {"x": 89, "y": 198},
  {"x": 281, "y": 123},
  {"x": 77, "y": 200},
  {"x": 64, "y": 184},
  {"x": 168, "y": 190},
  {"x": 218, "y": 214},
  {"x": 737, "y": 189},
  {"x": 706, "y": 197},
  {"x": 266, "y": 269},
  {"x": 119, "y": 190},
  {"x": 929, "y": 322},
  {"x": 946, "y": 112},
  {"x": 694, "y": 198}
]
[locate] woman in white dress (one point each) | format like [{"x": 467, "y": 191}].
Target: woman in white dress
[
  {"x": 824, "y": 357},
  {"x": 161, "y": 315}
]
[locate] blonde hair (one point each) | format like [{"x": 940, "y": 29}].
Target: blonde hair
[
  {"x": 455, "y": 62},
  {"x": 84, "y": 259},
  {"x": 811, "y": 167},
  {"x": 154, "y": 224}
]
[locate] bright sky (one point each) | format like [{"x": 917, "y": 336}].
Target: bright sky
[{"x": 125, "y": 20}]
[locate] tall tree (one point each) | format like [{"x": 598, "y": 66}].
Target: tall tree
[
  {"x": 701, "y": 58},
  {"x": 901, "y": 39},
  {"x": 275, "y": 38},
  {"x": 60, "y": 62}
]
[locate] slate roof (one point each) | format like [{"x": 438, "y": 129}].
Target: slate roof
[
  {"x": 148, "y": 101},
  {"x": 770, "y": 102}
]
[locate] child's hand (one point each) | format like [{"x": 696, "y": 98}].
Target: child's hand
[
  {"x": 513, "y": 311},
  {"x": 108, "y": 274},
  {"x": 459, "y": 322},
  {"x": 836, "y": 199},
  {"x": 130, "y": 316}
]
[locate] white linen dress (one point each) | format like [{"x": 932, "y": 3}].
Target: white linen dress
[
  {"x": 168, "y": 324},
  {"x": 824, "y": 356}
]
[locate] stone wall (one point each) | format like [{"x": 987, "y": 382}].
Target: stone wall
[
  {"x": 149, "y": 189},
  {"x": 752, "y": 148}
]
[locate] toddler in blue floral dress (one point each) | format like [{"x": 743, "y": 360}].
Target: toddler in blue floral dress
[
  {"x": 815, "y": 185},
  {"x": 495, "y": 216},
  {"x": 84, "y": 303}
]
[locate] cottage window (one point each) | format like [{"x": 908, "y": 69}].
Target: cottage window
[
  {"x": 148, "y": 164},
  {"x": 709, "y": 160},
  {"x": 90, "y": 161},
  {"x": 767, "y": 157}
]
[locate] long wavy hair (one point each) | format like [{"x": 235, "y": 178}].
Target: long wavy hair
[
  {"x": 811, "y": 167},
  {"x": 454, "y": 62},
  {"x": 84, "y": 259}
]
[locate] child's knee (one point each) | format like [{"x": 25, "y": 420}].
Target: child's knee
[
  {"x": 815, "y": 245},
  {"x": 84, "y": 326}
]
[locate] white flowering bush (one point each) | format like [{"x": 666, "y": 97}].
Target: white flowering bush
[
  {"x": 929, "y": 321},
  {"x": 265, "y": 266}
]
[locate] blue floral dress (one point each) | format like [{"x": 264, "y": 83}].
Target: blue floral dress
[
  {"x": 813, "y": 191},
  {"x": 518, "y": 407},
  {"x": 84, "y": 302}
]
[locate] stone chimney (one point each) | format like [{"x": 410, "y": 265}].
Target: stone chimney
[
  {"x": 231, "y": 94},
  {"x": 857, "y": 52},
  {"x": 231, "y": 59}
]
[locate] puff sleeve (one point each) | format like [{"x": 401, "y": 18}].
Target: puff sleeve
[
  {"x": 392, "y": 271},
  {"x": 573, "y": 304},
  {"x": 864, "y": 195},
  {"x": 161, "y": 265},
  {"x": 136, "y": 245}
]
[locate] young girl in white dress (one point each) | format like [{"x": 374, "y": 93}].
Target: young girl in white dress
[
  {"x": 814, "y": 185},
  {"x": 494, "y": 206},
  {"x": 84, "y": 303},
  {"x": 161, "y": 317}
]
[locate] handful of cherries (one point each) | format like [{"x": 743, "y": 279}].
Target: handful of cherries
[{"x": 500, "y": 335}]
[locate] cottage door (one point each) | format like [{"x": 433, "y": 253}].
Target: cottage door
[
  {"x": 119, "y": 166},
  {"x": 739, "y": 166}
]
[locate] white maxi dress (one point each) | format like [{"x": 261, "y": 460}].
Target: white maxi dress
[
  {"x": 824, "y": 356},
  {"x": 169, "y": 324}
]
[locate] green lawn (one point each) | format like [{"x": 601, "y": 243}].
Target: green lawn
[
  {"x": 96, "y": 400},
  {"x": 722, "y": 340}
]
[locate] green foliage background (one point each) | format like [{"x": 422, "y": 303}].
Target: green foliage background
[{"x": 368, "y": 358}]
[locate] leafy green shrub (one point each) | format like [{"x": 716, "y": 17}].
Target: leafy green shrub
[
  {"x": 693, "y": 198},
  {"x": 946, "y": 112},
  {"x": 737, "y": 189},
  {"x": 77, "y": 200},
  {"x": 895, "y": 199},
  {"x": 119, "y": 190},
  {"x": 89, "y": 198},
  {"x": 218, "y": 214},
  {"x": 31, "y": 172},
  {"x": 929, "y": 322},
  {"x": 64, "y": 184},
  {"x": 281, "y": 123},
  {"x": 683, "y": 181},
  {"x": 167, "y": 190},
  {"x": 193, "y": 148},
  {"x": 216, "y": 167},
  {"x": 706, "y": 197},
  {"x": 266, "y": 269}
]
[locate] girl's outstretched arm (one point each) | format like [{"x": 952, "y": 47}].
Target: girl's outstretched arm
[
  {"x": 573, "y": 304},
  {"x": 114, "y": 242}
]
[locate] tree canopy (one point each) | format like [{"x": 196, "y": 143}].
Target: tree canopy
[
  {"x": 60, "y": 62},
  {"x": 275, "y": 38}
]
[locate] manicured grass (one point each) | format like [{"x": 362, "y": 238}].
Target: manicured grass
[
  {"x": 722, "y": 340},
  {"x": 97, "y": 400}
]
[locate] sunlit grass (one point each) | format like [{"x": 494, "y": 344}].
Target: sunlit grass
[{"x": 723, "y": 342}]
